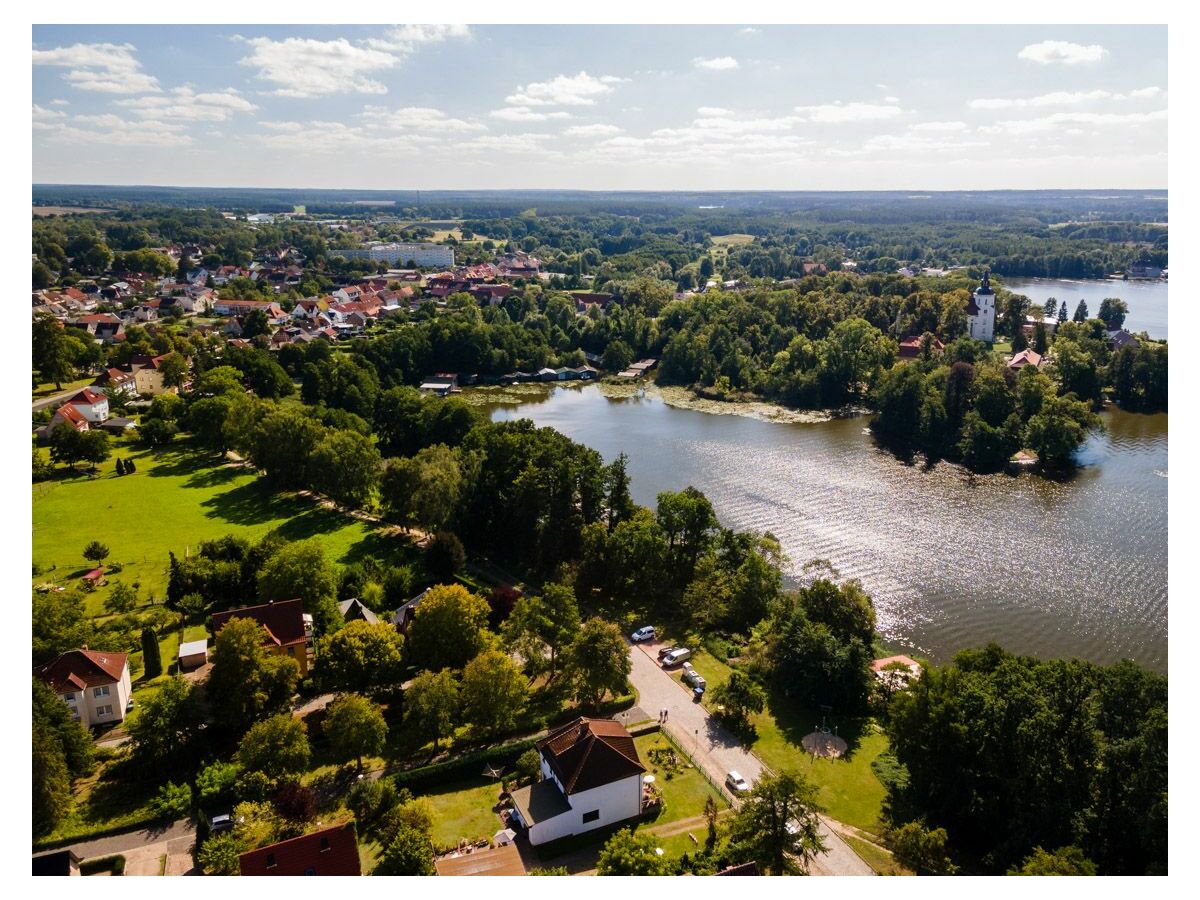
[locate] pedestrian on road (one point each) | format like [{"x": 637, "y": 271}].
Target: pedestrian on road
[{"x": 666, "y": 714}]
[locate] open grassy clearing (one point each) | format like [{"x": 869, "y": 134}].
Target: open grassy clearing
[
  {"x": 684, "y": 788},
  {"x": 178, "y": 497},
  {"x": 463, "y": 809},
  {"x": 732, "y": 240}
]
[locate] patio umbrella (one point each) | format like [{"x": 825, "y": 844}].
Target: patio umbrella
[
  {"x": 649, "y": 779},
  {"x": 503, "y": 836}
]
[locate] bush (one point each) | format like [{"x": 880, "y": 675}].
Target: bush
[
  {"x": 470, "y": 763},
  {"x": 172, "y": 801}
]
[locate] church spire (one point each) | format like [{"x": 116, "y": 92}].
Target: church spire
[{"x": 985, "y": 286}]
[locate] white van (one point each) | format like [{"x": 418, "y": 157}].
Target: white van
[{"x": 675, "y": 657}]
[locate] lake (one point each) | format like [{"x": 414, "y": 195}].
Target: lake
[
  {"x": 1147, "y": 300},
  {"x": 952, "y": 560}
]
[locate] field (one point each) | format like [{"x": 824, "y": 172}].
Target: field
[
  {"x": 65, "y": 210},
  {"x": 463, "y": 809},
  {"x": 732, "y": 240},
  {"x": 176, "y": 498},
  {"x": 48, "y": 388},
  {"x": 848, "y": 788}
]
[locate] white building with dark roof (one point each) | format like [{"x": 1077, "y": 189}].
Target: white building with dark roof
[
  {"x": 591, "y": 778},
  {"x": 981, "y": 312}
]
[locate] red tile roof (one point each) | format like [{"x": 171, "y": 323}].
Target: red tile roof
[
  {"x": 589, "y": 753},
  {"x": 79, "y": 669},
  {"x": 331, "y": 851},
  {"x": 88, "y": 396},
  {"x": 71, "y": 416},
  {"x": 283, "y": 620}
]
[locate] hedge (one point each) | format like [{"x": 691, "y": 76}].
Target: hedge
[
  {"x": 114, "y": 864},
  {"x": 469, "y": 764}
]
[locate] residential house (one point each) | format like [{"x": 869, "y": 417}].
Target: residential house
[
  {"x": 591, "y": 778},
  {"x": 287, "y": 630},
  {"x": 1121, "y": 338},
  {"x": 354, "y": 609},
  {"x": 94, "y": 685},
  {"x": 242, "y": 307},
  {"x": 585, "y": 302},
  {"x": 116, "y": 381},
  {"x": 148, "y": 376},
  {"x": 330, "y": 851},
  {"x": 910, "y": 347},
  {"x": 403, "y": 617},
  {"x": 90, "y": 404},
  {"x": 1050, "y": 323},
  {"x": 1025, "y": 358},
  {"x": 64, "y": 415}
]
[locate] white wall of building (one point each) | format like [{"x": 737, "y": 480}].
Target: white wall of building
[
  {"x": 615, "y": 802},
  {"x": 103, "y": 704}
]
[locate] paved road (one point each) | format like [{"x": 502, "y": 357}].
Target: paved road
[
  {"x": 717, "y": 751},
  {"x": 54, "y": 399},
  {"x": 133, "y": 840}
]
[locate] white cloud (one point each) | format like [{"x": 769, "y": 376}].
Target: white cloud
[
  {"x": 836, "y": 113},
  {"x": 530, "y": 143},
  {"x": 891, "y": 99},
  {"x": 716, "y": 63},
  {"x": 1056, "y": 121},
  {"x": 710, "y": 111},
  {"x": 303, "y": 67},
  {"x": 1146, "y": 92},
  {"x": 411, "y": 119},
  {"x": 406, "y": 39},
  {"x": 110, "y": 130},
  {"x": 1062, "y": 53},
  {"x": 749, "y": 30},
  {"x": 41, "y": 114},
  {"x": 60, "y": 102},
  {"x": 939, "y": 127},
  {"x": 525, "y": 114},
  {"x": 105, "y": 68},
  {"x": 596, "y": 130},
  {"x": 564, "y": 90},
  {"x": 185, "y": 103},
  {"x": 1062, "y": 98}
]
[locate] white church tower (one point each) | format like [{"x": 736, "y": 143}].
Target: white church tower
[{"x": 981, "y": 312}]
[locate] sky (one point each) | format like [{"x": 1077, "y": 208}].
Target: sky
[{"x": 602, "y": 107}]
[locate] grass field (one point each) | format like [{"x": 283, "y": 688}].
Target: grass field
[
  {"x": 732, "y": 240},
  {"x": 46, "y": 388},
  {"x": 848, "y": 787},
  {"x": 177, "y": 498},
  {"x": 463, "y": 809}
]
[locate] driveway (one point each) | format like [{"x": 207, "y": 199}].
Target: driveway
[{"x": 717, "y": 751}]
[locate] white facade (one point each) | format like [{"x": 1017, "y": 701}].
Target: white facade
[
  {"x": 94, "y": 412},
  {"x": 102, "y": 704},
  {"x": 981, "y": 326},
  {"x": 596, "y": 808},
  {"x": 402, "y": 253}
]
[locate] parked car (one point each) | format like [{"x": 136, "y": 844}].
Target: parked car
[
  {"x": 675, "y": 657},
  {"x": 220, "y": 822},
  {"x": 643, "y": 634},
  {"x": 736, "y": 783},
  {"x": 663, "y": 651}
]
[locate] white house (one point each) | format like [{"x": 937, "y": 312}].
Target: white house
[
  {"x": 94, "y": 685},
  {"x": 981, "y": 312},
  {"x": 92, "y": 405},
  {"x": 591, "y": 778}
]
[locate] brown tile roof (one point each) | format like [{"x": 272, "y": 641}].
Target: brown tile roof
[
  {"x": 71, "y": 416},
  {"x": 502, "y": 860},
  {"x": 283, "y": 620},
  {"x": 331, "y": 851},
  {"x": 589, "y": 753},
  {"x": 78, "y": 669}
]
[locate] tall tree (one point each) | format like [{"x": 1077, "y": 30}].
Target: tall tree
[
  {"x": 356, "y": 728},
  {"x": 431, "y": 705},
  {"x": 598, "y": 662},
  {"x": 449, "y": 628},
  {"x": 494, "y": 692},
  {"x": 277, "y": 747},
  {"x": 777, "y": 824}
]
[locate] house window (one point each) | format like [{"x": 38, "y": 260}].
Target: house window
[
  {"x": 100, "y": 691},
  {"x": 591, "y": 816},
  {"x": 270, "y": 860},
  {"x": 105, "y": 710},
  {"x": 70, "y": 698}
]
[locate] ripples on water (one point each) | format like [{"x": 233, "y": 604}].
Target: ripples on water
[{"x": 1075, "y": 568}]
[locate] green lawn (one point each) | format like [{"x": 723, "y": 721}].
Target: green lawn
[
  {"x": 732, "y": 240},
  {"x": 684, "y": 790},
  {"x": 177, "y": 498},
  {"x": 47, "y": 388},
  {"x": 848, "y": 787},
  {"x": 463, "y": 809}
]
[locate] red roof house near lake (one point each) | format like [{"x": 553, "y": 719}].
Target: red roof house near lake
[{"x": 330, "y": 851}]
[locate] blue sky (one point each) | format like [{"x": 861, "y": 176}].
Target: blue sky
[{"x": 602, "y": 107}]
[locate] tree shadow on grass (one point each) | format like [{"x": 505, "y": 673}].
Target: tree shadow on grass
[
  {"x": 795, "y": 720},
  {"x": 255, "y": 503},
  {"x": 122, "y": 789}
]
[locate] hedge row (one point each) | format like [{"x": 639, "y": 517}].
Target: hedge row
[
  {"x": 468, "y": 764},
  {"x": 114, "y": 864}
]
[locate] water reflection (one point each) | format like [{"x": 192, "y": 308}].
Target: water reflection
[{"x": 952, "y": 559}]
